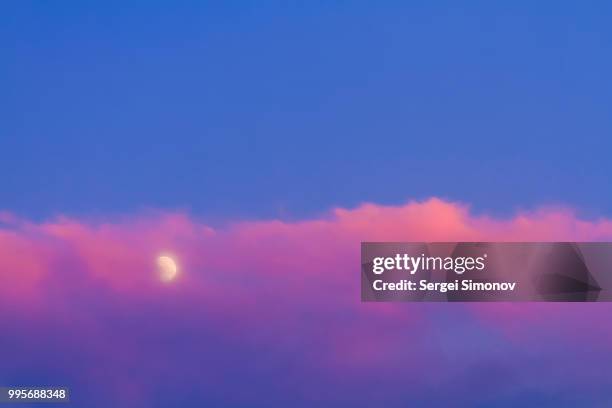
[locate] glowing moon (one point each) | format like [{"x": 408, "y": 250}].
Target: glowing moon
[{"x": 167, "y": 268}]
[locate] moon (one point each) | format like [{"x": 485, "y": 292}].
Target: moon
[{"x": 167, "y": 268}]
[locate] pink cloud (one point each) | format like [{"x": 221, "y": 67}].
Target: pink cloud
[
  {"x": 282, "y": 290},
  {"x": 288, "y": 259},
  {"x": 284, "y": 259}
]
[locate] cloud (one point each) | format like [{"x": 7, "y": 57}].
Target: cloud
[{"x": 272, "y": 308}]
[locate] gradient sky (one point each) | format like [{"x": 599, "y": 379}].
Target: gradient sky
[
  {"x": 273, "y": 109},
  {"x": 259, "y": 143}
]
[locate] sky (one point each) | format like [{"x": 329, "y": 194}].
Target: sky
[
  {"x": 271, "y": 109},
  {"x": 258, "y": 143}
]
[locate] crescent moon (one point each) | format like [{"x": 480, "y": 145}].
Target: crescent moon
[{"x": 167, "y": 268}]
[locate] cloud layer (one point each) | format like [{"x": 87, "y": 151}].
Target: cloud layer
[{"x": 267, "y": 313}]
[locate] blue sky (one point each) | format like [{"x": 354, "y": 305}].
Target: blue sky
[{"x": 271, "y": 109}]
